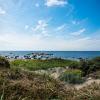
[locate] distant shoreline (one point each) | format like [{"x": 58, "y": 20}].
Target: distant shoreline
[{"x": 72, "y": 55}]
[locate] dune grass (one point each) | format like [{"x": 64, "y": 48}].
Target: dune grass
[
  {"x": 17, "y": 84},
  {"x": 72, "y": 76},
  {"x": 24, "y": 85},
  {"x": 89, "y": 92},
  {"x": 41, "y": 64}
]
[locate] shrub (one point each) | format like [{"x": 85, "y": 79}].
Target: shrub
[
  {"x": 89, "y": 65},
  {"x": 4, "y": 63},
  {"x": 96, "y": 62},
  {"x": 84, "y": 66},
  {"x": 74, "y": 65},
  {"x": 72, "y": 76}
]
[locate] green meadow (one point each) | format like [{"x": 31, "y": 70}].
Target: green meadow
[{"x": 42, "y": 64}]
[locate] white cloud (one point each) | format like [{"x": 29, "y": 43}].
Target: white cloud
[
  {"x": 79, "y": 22},
  {"x": 61, "y": 27},
  {"x": 70, "y": 10},
  {"x": 41, "y": 25},
  {"x": 37, "y": 5},
  {"x": 79, "y": 32},
  {"x": 75, "y": 22},
  {"x": 15, "y": 41},
  {"x": 2, "y": 11},
  {"x": 26, "y": 27},
  {"x": 41, "y": 28},
  {"x": 34, "y": 42},
  {"x": 50, "y": 3}
]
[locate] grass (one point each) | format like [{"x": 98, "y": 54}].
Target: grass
[
  {"x": 17, "y": 84},
  {"x": 41, "y": 64},
  {"x": 2, "y": 96},
  {"x": 72, "y": 76},
  {"x": 95, "y": 75},
  {"x": 24, "y": 85},
  {"x": 90, "y": 92}
]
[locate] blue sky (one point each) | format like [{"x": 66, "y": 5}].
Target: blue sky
[{"x": 50, "y": 25}]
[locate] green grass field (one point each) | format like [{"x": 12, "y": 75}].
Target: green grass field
[{"x": 41, "y": 64}]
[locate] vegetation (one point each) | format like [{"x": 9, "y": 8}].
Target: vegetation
[
  {"x": 95, "y": 75},
  {"x": 23, "y": 85},
  {"x": 89, "y": 65},
  {"x": 72, "y": 76},
  {"x": 4, "y": 63},
  {"x": 41, "y": 64},
  {"x": 90, "y": 92},
  {"x": 17, "y": 84}
]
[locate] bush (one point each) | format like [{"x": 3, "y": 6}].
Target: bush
[
  {"x": 4, "y": 63},
  {"x": 96, "y": 63},
  {"x": 72, "y": 76},
  {"x": 74, "y": 65},
  {"x": 89, "y": 65}
]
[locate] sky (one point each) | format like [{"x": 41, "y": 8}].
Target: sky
[{"x": 61, "y": 25}]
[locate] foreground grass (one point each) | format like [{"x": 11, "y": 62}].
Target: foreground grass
[
  {"x": 23, "y": 85},
  {"x": 89, "y": 92},
  {"x": 41, "y": 64},
  {"x": 17, "y": 84}
]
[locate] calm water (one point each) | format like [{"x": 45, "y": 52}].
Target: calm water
[{"x": 62, "y": 54}]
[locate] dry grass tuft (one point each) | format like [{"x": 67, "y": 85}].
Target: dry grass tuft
[{"x": 22, "y": 85}]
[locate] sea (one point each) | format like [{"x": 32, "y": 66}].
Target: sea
[{"x": 58, "y": 54}]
